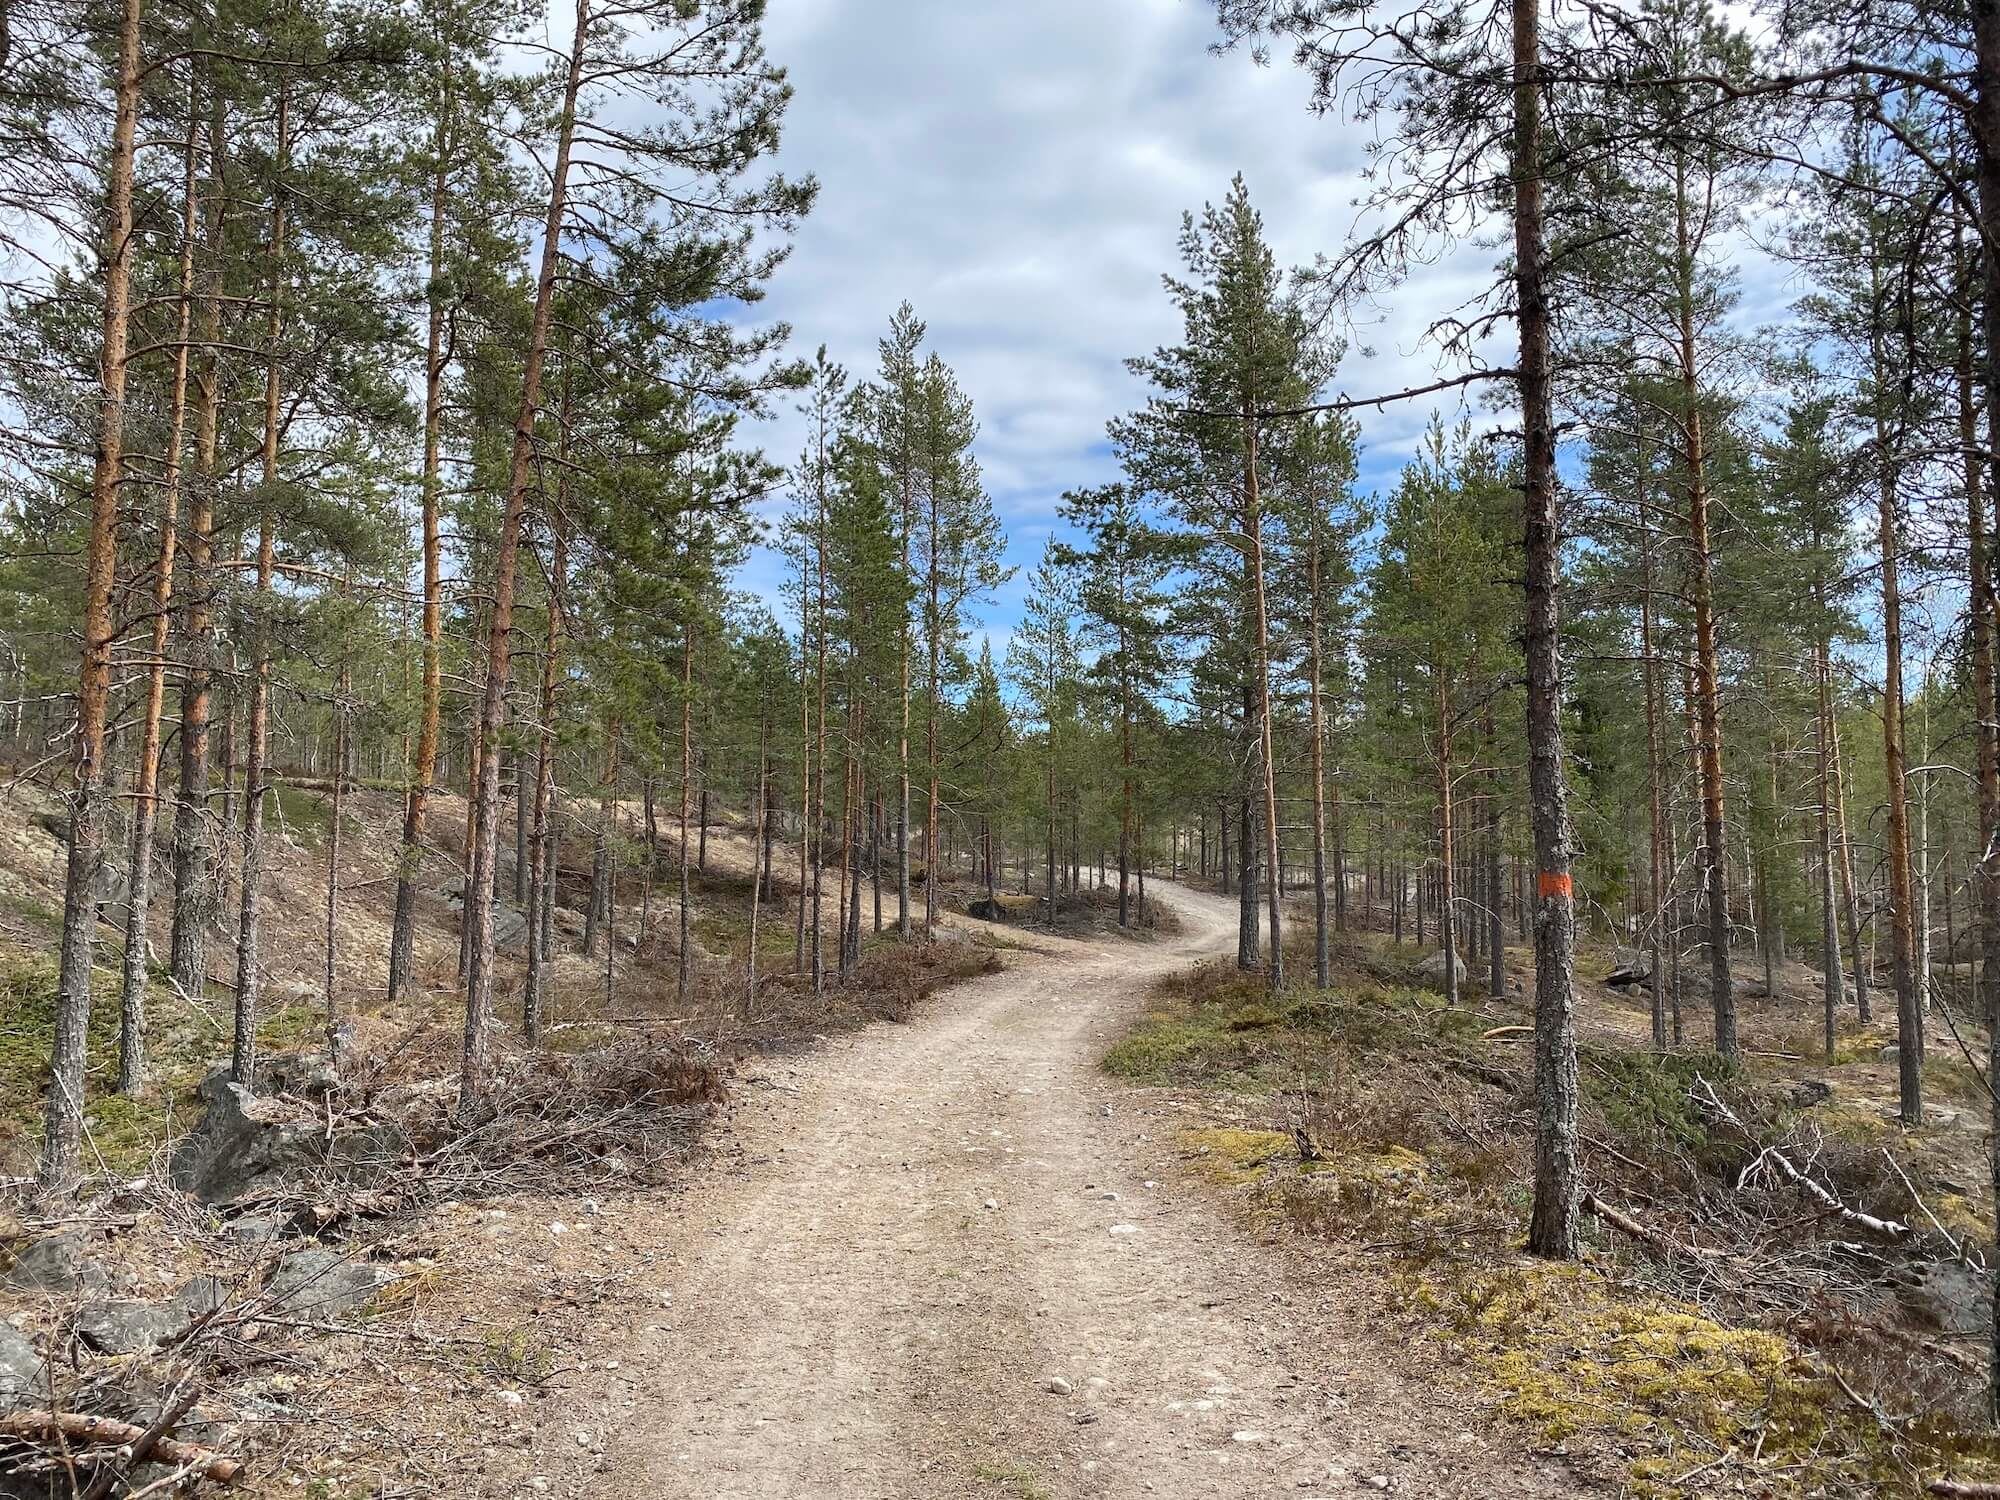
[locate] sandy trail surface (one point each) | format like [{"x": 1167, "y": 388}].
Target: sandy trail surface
[{"x": 950, "y": 1258}]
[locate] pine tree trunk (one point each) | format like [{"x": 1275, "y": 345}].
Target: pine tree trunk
[
  {"x": 903, "y": 759},
  {"x": 1707, "y": 672},
  {"x": 1920, "y": 866},
  {"x": 520, "y": 480},
  {"x": 1496, "y": 973},
  {"x": 1447, "y": 867},
  {"x": 1253, "y": 518},
  {"x": 684, "y": 976},
  {"x": 63, "y": 1120},
  {"x": 1985, "y": 28},
  {"x": 542, "y": 842},
  {"x": 146, "y": 780},
  {"x": 1829, "y": 920},
  {"x": 1553, "y": 1226},
  {"x": 1322, "y": 953},
  {"x": 256, "y": 764},
  {"x": 330, "y": 978},
  {"x": 597, "y": 916},
  {"x": 1661, "y": 865},
  {"x": 1902, "y": 929},
  {"x": 423, "y": 765},
  {"x": 771, "y": 810},
  {"x": 652, "y": 846},
  {"x": 1124, "y": 783},
  {"x": 1850, "y": 891},
  {"x": 1054, "y": 811},
  {"x": 611, "y": 938},
  {"x": 932, "y": 705},
  {"x": 850, "y": 854},
  {"x": 817, "y": 813},
  {"x": 760, "y": 836},
  {"x": 1249, "y": 938},
  {"x": 523, "y": 799},
  {"x": 1771, "y": 938},
  {"x": 805, "y": 793}
]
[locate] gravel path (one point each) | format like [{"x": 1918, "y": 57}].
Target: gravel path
[{"x": 948, "y": 1262}]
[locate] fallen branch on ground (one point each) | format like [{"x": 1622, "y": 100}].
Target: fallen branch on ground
[
  {"x": 1783, "y": 1166},
  {"x": 1888, "y": 1229},
  {"x": 1627, "y": 1224},
  {"x": 142, "y": 1448},
  {"x": 1967, "y": 1258},
  {"x": 74, "y": 1427}
]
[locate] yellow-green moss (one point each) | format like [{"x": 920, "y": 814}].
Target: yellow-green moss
[
  {"x": 1863, "y": 1045},
  {"x": 1014, "y": 1478},
  {"x": 1570, "y": 1353},
  {"x": 1860, "y": 1123},
  {"x": 1169, "y": 1047},
  {"x": 1231, "y": 1156},
  {"x": 124, "y": 1131}
]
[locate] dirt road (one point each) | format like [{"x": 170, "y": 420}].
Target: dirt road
[{"x": 951, "y": 1262}]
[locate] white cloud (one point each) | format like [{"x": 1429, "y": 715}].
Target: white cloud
[{"x": 1018, "y": 173}]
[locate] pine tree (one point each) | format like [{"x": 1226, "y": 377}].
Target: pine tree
[
  {"x": 1246, "y": 350},
  {"x": 958, "y": 552},
  {"x": 668, "y": 206},
  {"x": 1043, "y": 660},
  {"x": 1122, "y": 576}
]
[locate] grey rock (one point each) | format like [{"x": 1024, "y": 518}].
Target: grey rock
[
  {"x": 59, "y": 1263},
  {"x": 246, "y": 1145},
  {"x": 124, "y": 1326},
  {"x": 1630, "y": 968},
  {"x": 308, "y": 1075},
  {"x": 1949, "y": 1295},
  {"x": 1430, "y": 973},
  {"x": 257, "y": 1228},
  {"x": 23, "y": 1376},
  {"x": 324, "y": 1283},
  {"x": 987, "y": 910},
  {"x": 510, "y": 927},
  {"x": 1810, "y": 1091}
]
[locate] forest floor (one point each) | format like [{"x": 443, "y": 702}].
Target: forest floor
[
  {"x": 1782, "y": 1291},
  {"x": 1026, "y": 1214}
]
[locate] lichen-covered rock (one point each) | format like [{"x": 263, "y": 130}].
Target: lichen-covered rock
[
  {"x": 23, "y": 1376},
  {"x": 1630, "y": 968},
  {"x": 60, "y": 1263},
  {"x": 323, "y": 1282},
  {"x": 510, "y": 927},
  {"x": 246, "y": 1145},
  {"x": 125, "y": 1326}
]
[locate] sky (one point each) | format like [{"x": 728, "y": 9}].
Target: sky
[{"x": 1017, "y": 171}]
